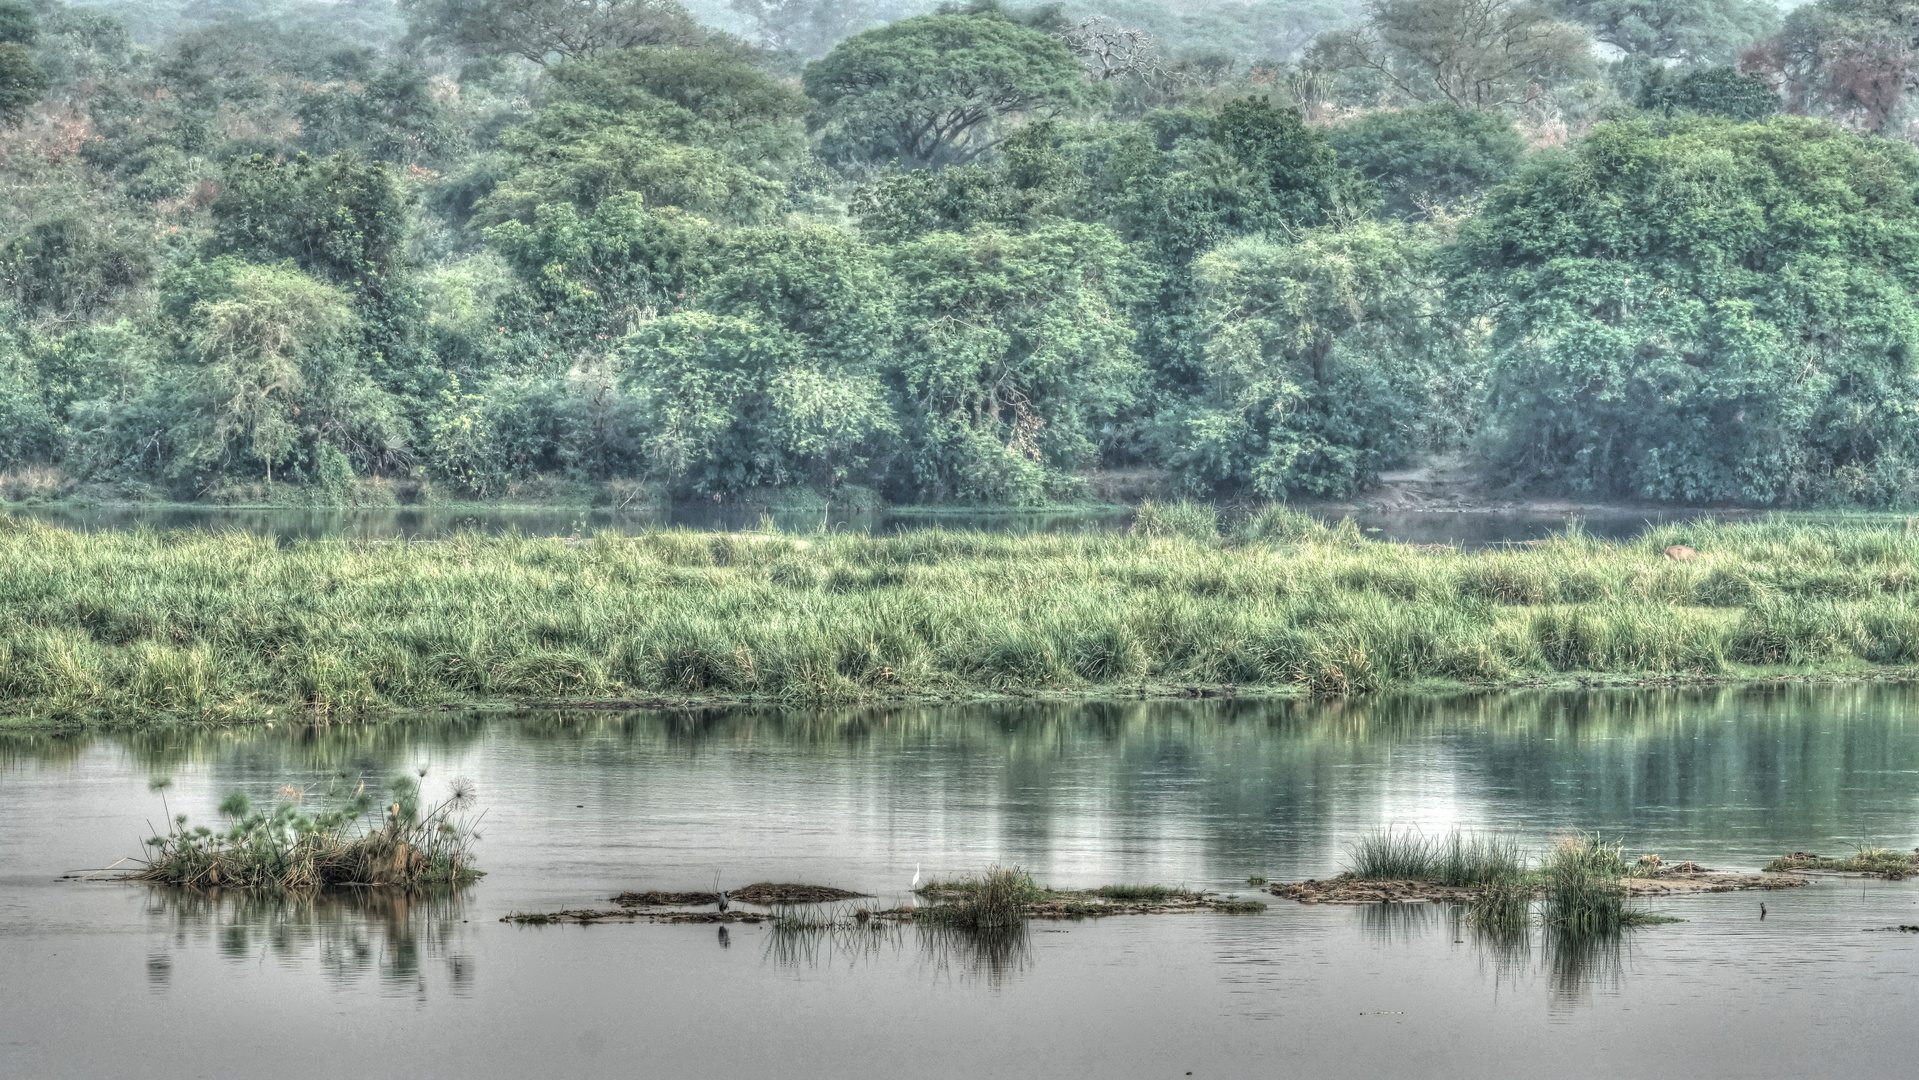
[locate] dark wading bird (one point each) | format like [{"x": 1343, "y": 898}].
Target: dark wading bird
[{"x": 726, "y": 901}]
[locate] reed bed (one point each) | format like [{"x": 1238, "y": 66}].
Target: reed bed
[
  {"x": 287, "y": 849},
  {"x": 994, "y": 901},
  {"x": 222, "y": 626},
  {"x": 1455, "y": 859},
  {"x": 1584, "y": 894}
]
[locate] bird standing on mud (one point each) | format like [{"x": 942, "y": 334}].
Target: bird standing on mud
[{"x": 726, "y": 901}]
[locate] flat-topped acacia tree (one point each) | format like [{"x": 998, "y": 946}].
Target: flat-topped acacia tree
[{"x": 939, "y": 89}]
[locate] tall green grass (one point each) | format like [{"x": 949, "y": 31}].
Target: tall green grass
[
  {"x": 1455, "y": 859},
  {"x": 1584, "y": 894},
  {"x": 226, "y": 626}
]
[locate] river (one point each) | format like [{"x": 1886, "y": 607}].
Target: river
[{"x": 107, "y": 979}]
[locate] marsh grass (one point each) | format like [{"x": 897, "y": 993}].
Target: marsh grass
[
  {"x": 1584, "y": 894},
  {"x": 1877, "y": 861},
  {"x": 1455, "y": 859},
  {"x": 225, "y": 627},
  {"x": 291, "y": 850},
  {"x": 1142, "y": 894},
  {"x": 996, "y": 899}
]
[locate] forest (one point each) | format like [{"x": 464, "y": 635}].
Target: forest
[{"x": 889, "y": 251}]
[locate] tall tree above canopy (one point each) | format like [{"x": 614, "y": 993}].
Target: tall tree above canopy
[
  {"x": 685, "y": 127},
  {"x": 546, "y": 31},
  {"x": 1477, "y": 54},
  {"x": 1852, "y": 61},
  {"x": 1689, "y": 31},
  {"x": 939, "y": 89}
]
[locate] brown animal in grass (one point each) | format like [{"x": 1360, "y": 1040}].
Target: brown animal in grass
[{"x": 1680, "y": 553}]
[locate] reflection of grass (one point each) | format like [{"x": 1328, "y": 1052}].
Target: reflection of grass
[
  {"x": 225, "y": 627},
  {"x": 1877, "y": 861}
]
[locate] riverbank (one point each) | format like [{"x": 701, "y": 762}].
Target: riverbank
[{"x": 144, "y": 626}]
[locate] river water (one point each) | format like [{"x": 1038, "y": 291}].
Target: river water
[{"x": 103, "y": 979}]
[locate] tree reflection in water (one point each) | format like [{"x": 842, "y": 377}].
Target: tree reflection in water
[{"x": 391, "y": 935}]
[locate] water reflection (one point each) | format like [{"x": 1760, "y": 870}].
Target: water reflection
[
  {"x": 348, "y": 935},
  {"x": 989, "y": 954},
  {"x": 1218, "y": 790}
]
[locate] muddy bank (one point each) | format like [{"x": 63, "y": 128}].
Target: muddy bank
[
  {"x": 1681, "y": 880},
  {"x": 1872, "y": 862},
  {"x": 1050, "y": 904},
  {"x": 589, "y": 915},
  {"x": 761, "y": 893}
]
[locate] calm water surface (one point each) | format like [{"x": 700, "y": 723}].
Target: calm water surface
[{"x": 101, "y": 979}]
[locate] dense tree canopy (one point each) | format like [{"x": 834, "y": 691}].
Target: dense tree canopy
[
  {"x": 1680, "y": 315},
  {"x": 627, "y": 250}
]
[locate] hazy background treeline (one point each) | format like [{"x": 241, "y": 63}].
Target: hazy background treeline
[{"x": 627, "y": 249}]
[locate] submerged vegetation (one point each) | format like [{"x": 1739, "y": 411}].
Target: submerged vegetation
[
  {"x": 290, "y": 849},
  {"x": 228, "y": 627}
]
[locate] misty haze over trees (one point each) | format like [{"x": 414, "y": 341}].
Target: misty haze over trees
[{"x": 359, "y": 251}]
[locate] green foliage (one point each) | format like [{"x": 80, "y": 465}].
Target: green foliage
[
  {"x": 1714, "y": 91},
  {"x": 593, "y": 279},
  {"x": 1693, "y": 32},
  {"x": 250, "y": 342},
  {"x": 939, "y": 89},
  {"x": 1437, "y": 155},
  {"x": 1683, "y": 313},
  {"x": 1477, "y": 54},
  {"x": 698, "y": 131},
  {"x": 1322, "y": 359},
  {"x": 545, "y": 31},
  {"x": 291, "y": 849},
  {"x": 22, "y": 83},
  {"x": 1016, "y": 348},
  {"x": 341, "y": 219}
]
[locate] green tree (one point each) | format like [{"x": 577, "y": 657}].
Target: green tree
[
  {"x": 596, "y": 278},
  {"x": 1714, "y": 91},
  {"x": 249, "y": 344},
  {"x": 1701, "y": 310},
  {"x": 1688, "y": 31},
  {"x": 1435, "y": 155},
  {"x": 1017, "y": 351},
  {"x": 22, "y": 81},
  {"x": 687, "y": 129},
  {"x": 940, "y": 89},
  {"x": 1477, "y": 54},
  {"x": 549, "y": 31},
  {"x": 1327, "y": 360}
]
